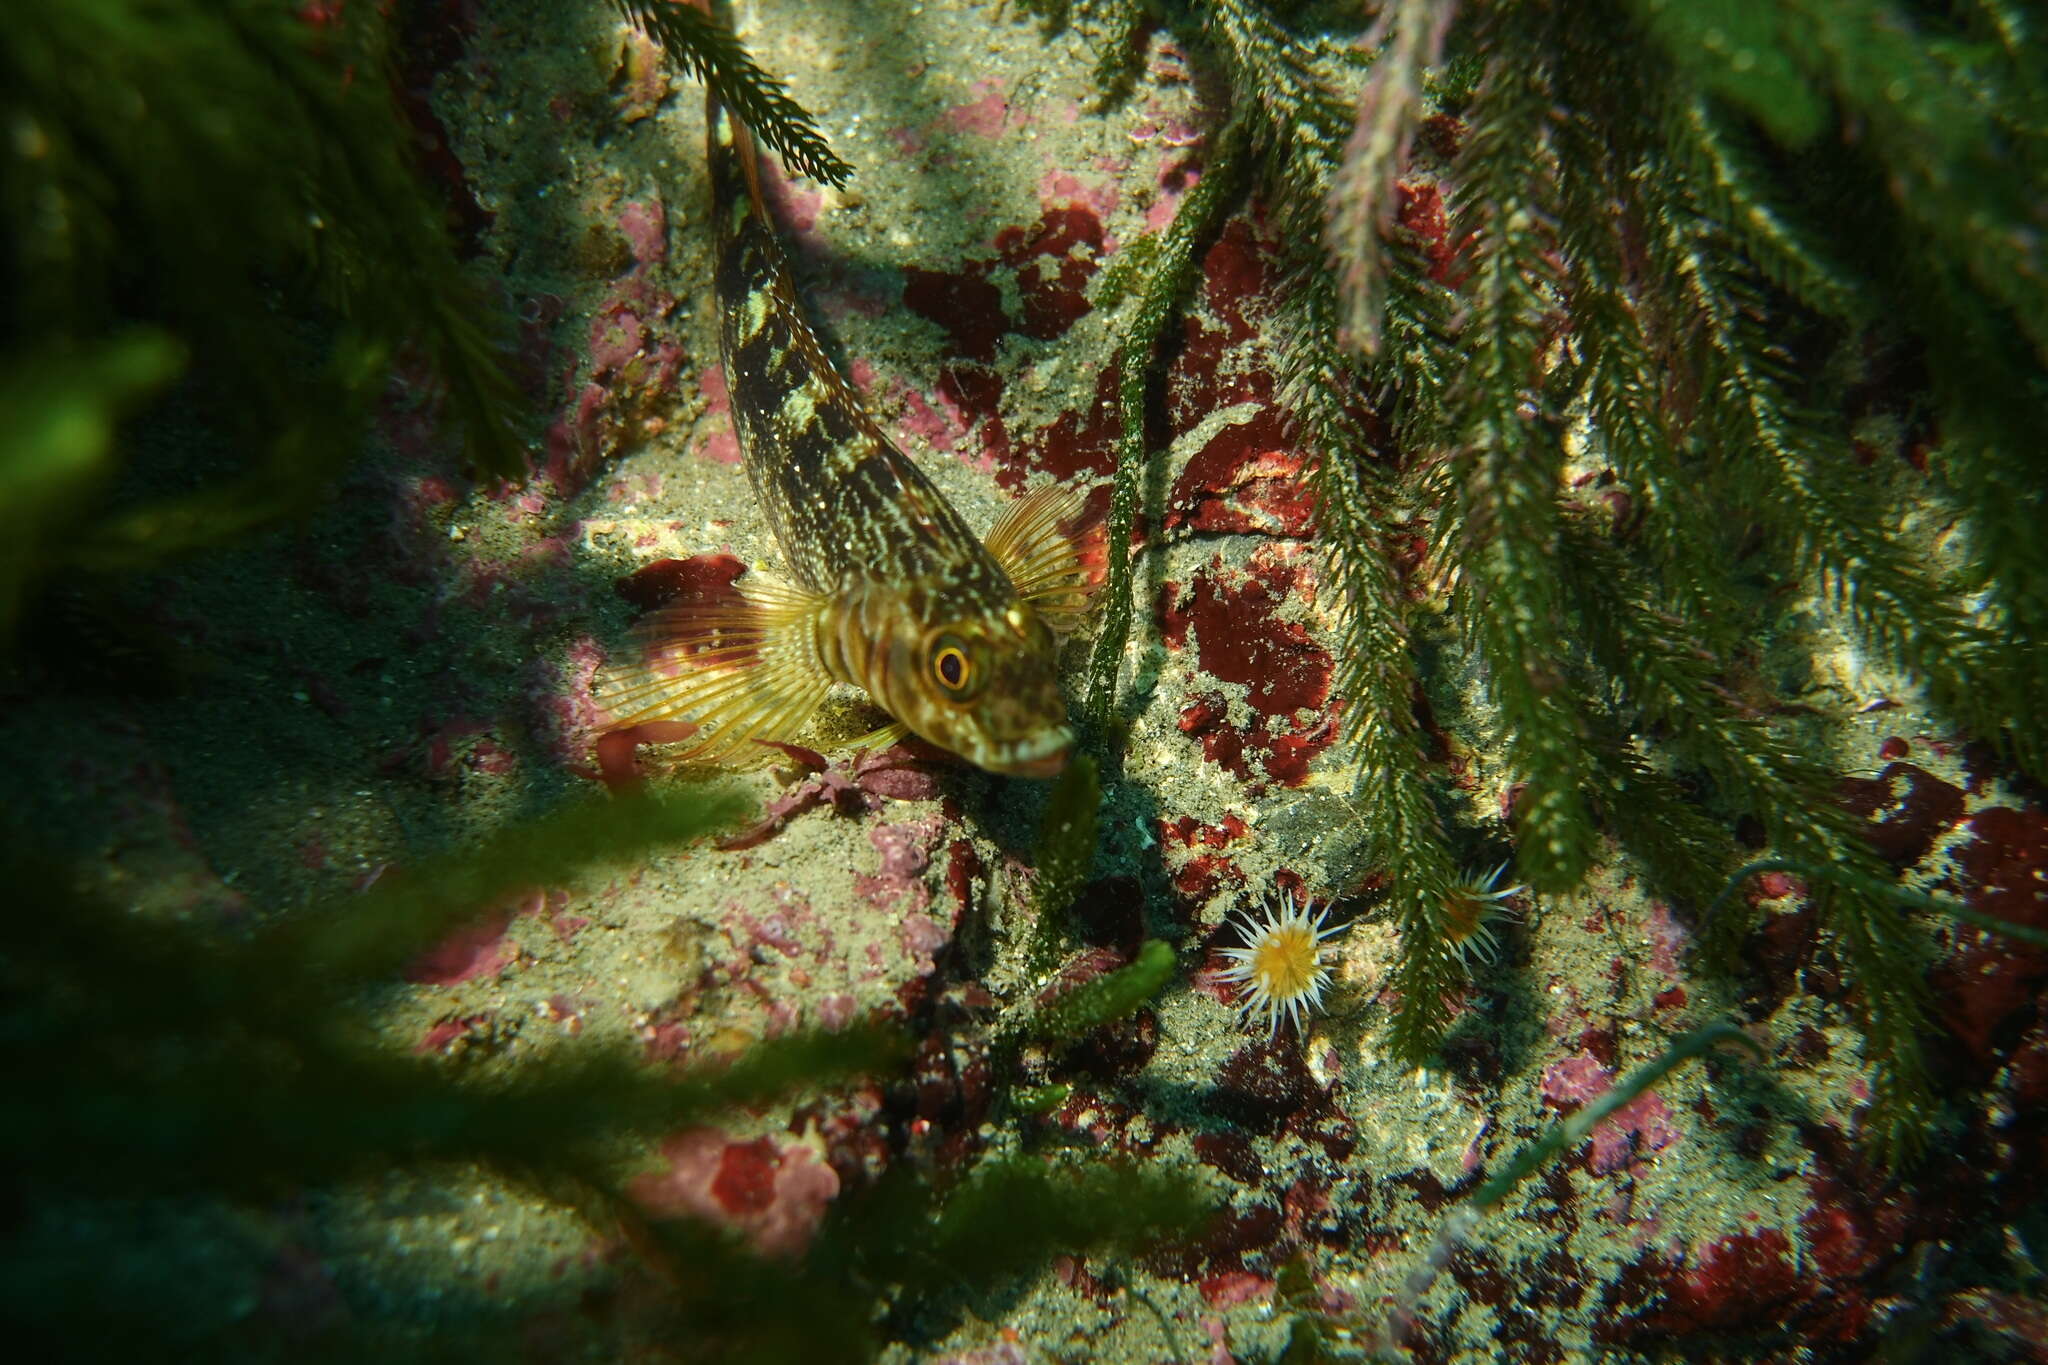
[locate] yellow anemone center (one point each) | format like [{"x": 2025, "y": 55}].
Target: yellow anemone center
[{"x": 1284, "y": 962}]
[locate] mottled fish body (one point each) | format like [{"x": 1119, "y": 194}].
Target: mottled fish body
[{"x": 891, "y": 589}]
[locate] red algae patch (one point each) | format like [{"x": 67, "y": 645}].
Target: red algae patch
[
  {"x": 1241, "y": 638},
  {"x": 1050, "y": 263},
  {"x": 1421, "y": 211},
  {"x": 1222, "y": 361},
  {"x": 1728, "y": 1282},
  {"x": 1989, "y": 986},
  {"x": 700, "y": 580},
  {"x": 1907, "y": 809},
  {"x": 1245, "y": 480}
]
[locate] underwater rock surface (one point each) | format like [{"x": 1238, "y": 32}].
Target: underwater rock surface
[{"x": 414, "y": 667}]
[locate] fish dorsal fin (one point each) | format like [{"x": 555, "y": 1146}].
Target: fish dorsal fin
[
  {"x": 1051, "y": 543},
  {"x": 742, "y": 665}
]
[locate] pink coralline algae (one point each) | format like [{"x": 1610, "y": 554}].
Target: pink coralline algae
[
  {"x": 1003, "y": 1353},
  {"x": 794, "y": 205},
  {"x": 643, "y": 81},
  {"x": 1100, "y": 197},
  {"x": 1637, "y": 1129},
  {"x": 475, "y": 950},
  {"x": 985, "y": 115},
  {"x": 645, "y": 227},
  {"x": 632, "y": 366},
  {"x": 942, "y": 427},
  {"x": 1177, "y": 174},
  {"x": 444, "y": 1034},
  {"x": 478, "y": 949},
  {"x": 564, "y": 715},
  {"x": 616, "y": 336},
  {"x": 723, "y": 443},
  {"x": 772, "y": 931},
  {"x": 772, "y": 1193},
  {"x": 1233, "y": 1287},
  {"x": 1668, "y": 939},
  {"x": 906, "y": 851}
]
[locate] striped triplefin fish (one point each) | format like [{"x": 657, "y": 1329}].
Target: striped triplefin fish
[{"x": 952, "y": 635}]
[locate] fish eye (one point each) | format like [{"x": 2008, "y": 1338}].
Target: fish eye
[{"x": 951, "y": 667}]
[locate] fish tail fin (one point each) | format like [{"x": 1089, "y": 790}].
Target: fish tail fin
[{"x": 742, "y": 666}]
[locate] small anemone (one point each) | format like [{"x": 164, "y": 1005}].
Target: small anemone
[
  {"x": 1280, "y": 972},
  {"x": 1470, "y": 910}
]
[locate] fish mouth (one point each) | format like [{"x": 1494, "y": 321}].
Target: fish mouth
[{"x": 1046, "y": 758}]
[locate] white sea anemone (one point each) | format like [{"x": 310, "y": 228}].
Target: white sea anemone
[
  {"x": 1470, "y": 910},
  {"x": 1280, "y": 971}
]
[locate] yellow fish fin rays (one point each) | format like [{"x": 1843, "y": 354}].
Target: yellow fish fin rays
[
  {"x": 879, "y": 738},
  {"x": 742, "y": 666},
  {"x": 1051, "y": 543}
]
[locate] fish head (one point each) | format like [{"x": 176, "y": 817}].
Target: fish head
[{"x": 984, "y": 685}]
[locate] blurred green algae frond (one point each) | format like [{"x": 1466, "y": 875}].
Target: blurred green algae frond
[
  {"x": 211, "y": 214},
  {"x": 222, "y": 191},
  {"x": 153, "y": 1064}
]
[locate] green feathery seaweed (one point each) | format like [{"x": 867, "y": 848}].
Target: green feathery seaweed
[
  {"x": 1065, "y": 858},
  {"x": 996, "y": 1222},
  {"x": 1646, "y": 268},
  {"x": 1363, "y": 192},
  {"x": 707, "y": 49},
  {"x": 1108, "y": 998},
  {"x": 1166, "y": 285},
  {"x": 1501, "y": 525}
]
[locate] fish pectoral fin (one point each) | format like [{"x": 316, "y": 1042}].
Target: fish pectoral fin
[
  {"x": 1053, "y": 545},
  {"x": 879, "y": 738},
  {"x": 742, "y": 668}
]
